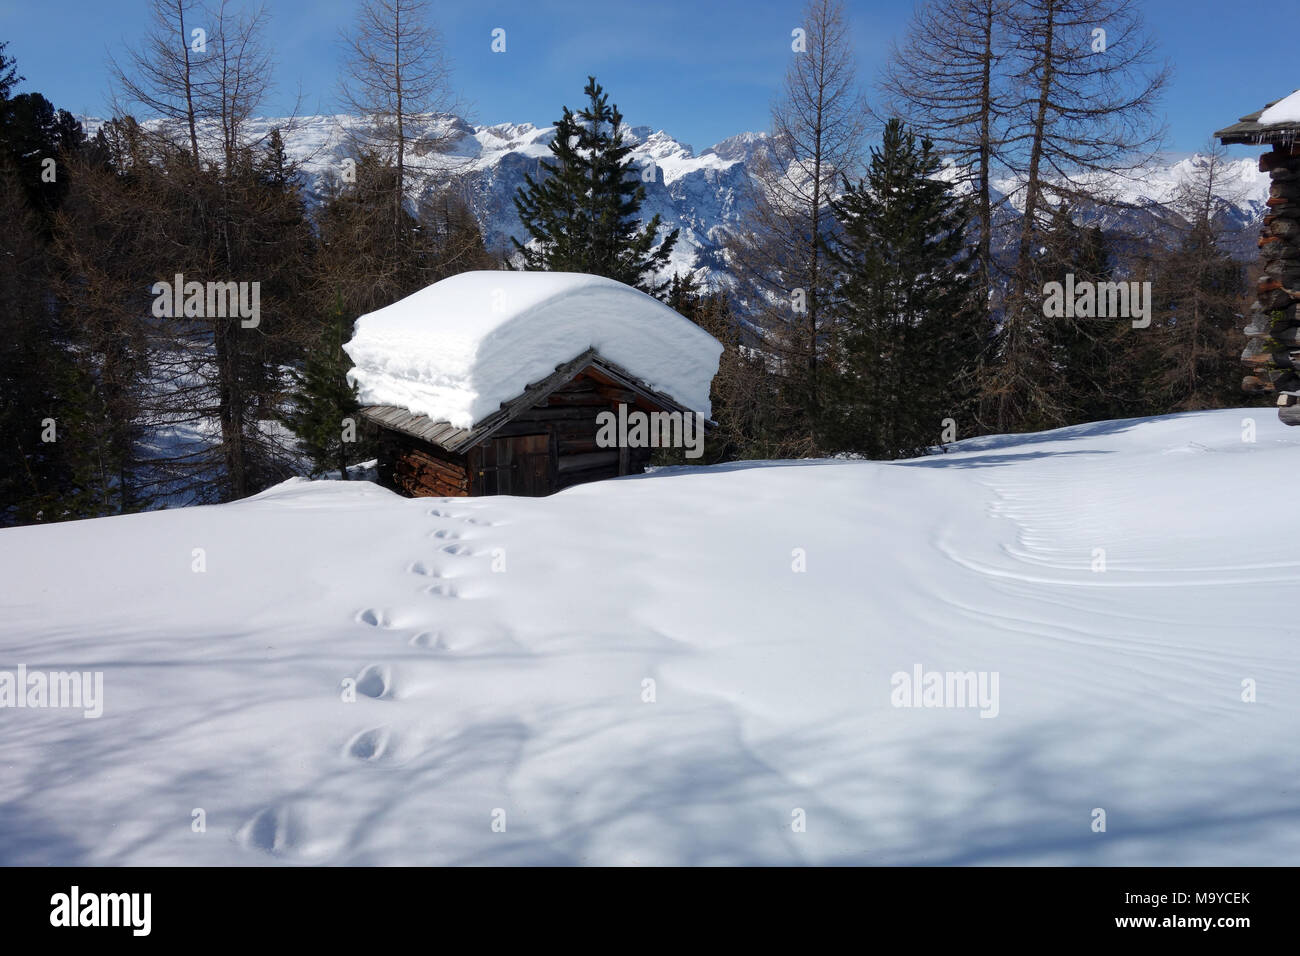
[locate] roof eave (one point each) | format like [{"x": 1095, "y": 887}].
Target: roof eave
[
  {"x": 1249, "y": 131},
  {"x": 1254, "y": 134}
]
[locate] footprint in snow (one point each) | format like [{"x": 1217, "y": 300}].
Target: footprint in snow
[
  {"x": 426, "y": 639},
  {"x": 419, "y": 567},
  {"x": 449, "y": 535},
  {"x": 374, "y": 617},
  {"x": 442, "y": 590},
  {"x": 374, "y": 681},
  {"x": 461, "y": 550},
  {"x": 440, "y": 641},
  {"x": 370, "y": 744},
  {"x": 457, "y": 638},
  {"x": 272, "y": 831}
]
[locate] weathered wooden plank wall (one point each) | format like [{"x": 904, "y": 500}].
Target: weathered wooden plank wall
[{"x": 560, "y": 431}]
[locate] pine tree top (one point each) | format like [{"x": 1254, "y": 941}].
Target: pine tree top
[{"x": 581, "y": 211}]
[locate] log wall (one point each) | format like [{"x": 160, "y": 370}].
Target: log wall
[{"x": 567, "y": 417}]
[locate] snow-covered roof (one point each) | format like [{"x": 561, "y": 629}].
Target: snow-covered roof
[
  {"x": 457, "y": 349},
  {"x": 1286, "y": 110},
  {"x": 1278, "y": 122}
]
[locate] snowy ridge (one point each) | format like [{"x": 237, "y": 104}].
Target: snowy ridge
[
  {"x": 703, "y": 194},
  {"x": 699, "y": 194},
  {"x": 632, "y": 672},
  {"x": 1240, "y": 182},
  {"x": 695, "y": 193}
]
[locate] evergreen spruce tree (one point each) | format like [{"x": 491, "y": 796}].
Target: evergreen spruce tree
[
  {"x": 582, "y": 213},
  {"x": 909, "y": 332},
  {"x": 9, "y": 77},
  {"x": 33, "y": 473},
  {"x": 683, "y": 294},
  {"x": 1082, "y": 350},
  {"x": 58, "y": 459},
  {"x": 33, "y": 132},
  {"x": 325, "y": 411},
  {"x": 743, "y": 393}
]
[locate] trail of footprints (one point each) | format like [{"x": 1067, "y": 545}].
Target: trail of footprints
[
  {"x": 375, "y": 680},
  {"x": 274, "y": 829}
]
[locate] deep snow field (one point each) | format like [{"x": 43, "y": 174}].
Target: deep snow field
[{"x": 501, "y": 649}]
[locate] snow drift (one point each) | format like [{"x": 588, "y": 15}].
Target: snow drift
[
  {"x": 456, "y": 350},
  {"x": 678, "y": 667}
]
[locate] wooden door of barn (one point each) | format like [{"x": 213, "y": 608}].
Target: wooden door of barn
[{"x": 517, "y": 465}]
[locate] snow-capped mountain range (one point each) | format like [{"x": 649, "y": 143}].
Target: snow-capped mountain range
[
  {"x": 697, "y": 193},
  {"x": 701, "y": 193}
]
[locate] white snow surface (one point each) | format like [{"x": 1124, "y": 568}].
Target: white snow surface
[
  {"x": 1286, "y": 110},
  {"x": 501, "y": 649},
  {"x": 457, "y": 349}
]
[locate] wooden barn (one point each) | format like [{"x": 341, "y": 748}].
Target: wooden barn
[
  {"x": 1273, "y": 334},
  {"x": 492, "y": 382},
  {"x": 541, "y": 441}
]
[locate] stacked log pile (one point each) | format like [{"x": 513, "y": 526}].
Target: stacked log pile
[
  {"x": 1273, "y": 349},
  {"x": 420, "y": 474}
]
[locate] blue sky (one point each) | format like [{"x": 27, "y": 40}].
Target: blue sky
[{"x": 700, "y": 69}]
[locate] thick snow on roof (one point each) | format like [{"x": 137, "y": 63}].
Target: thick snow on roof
[
  {"x": 456, "y": 350},
  {"x": 1283, "y": 111}
]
